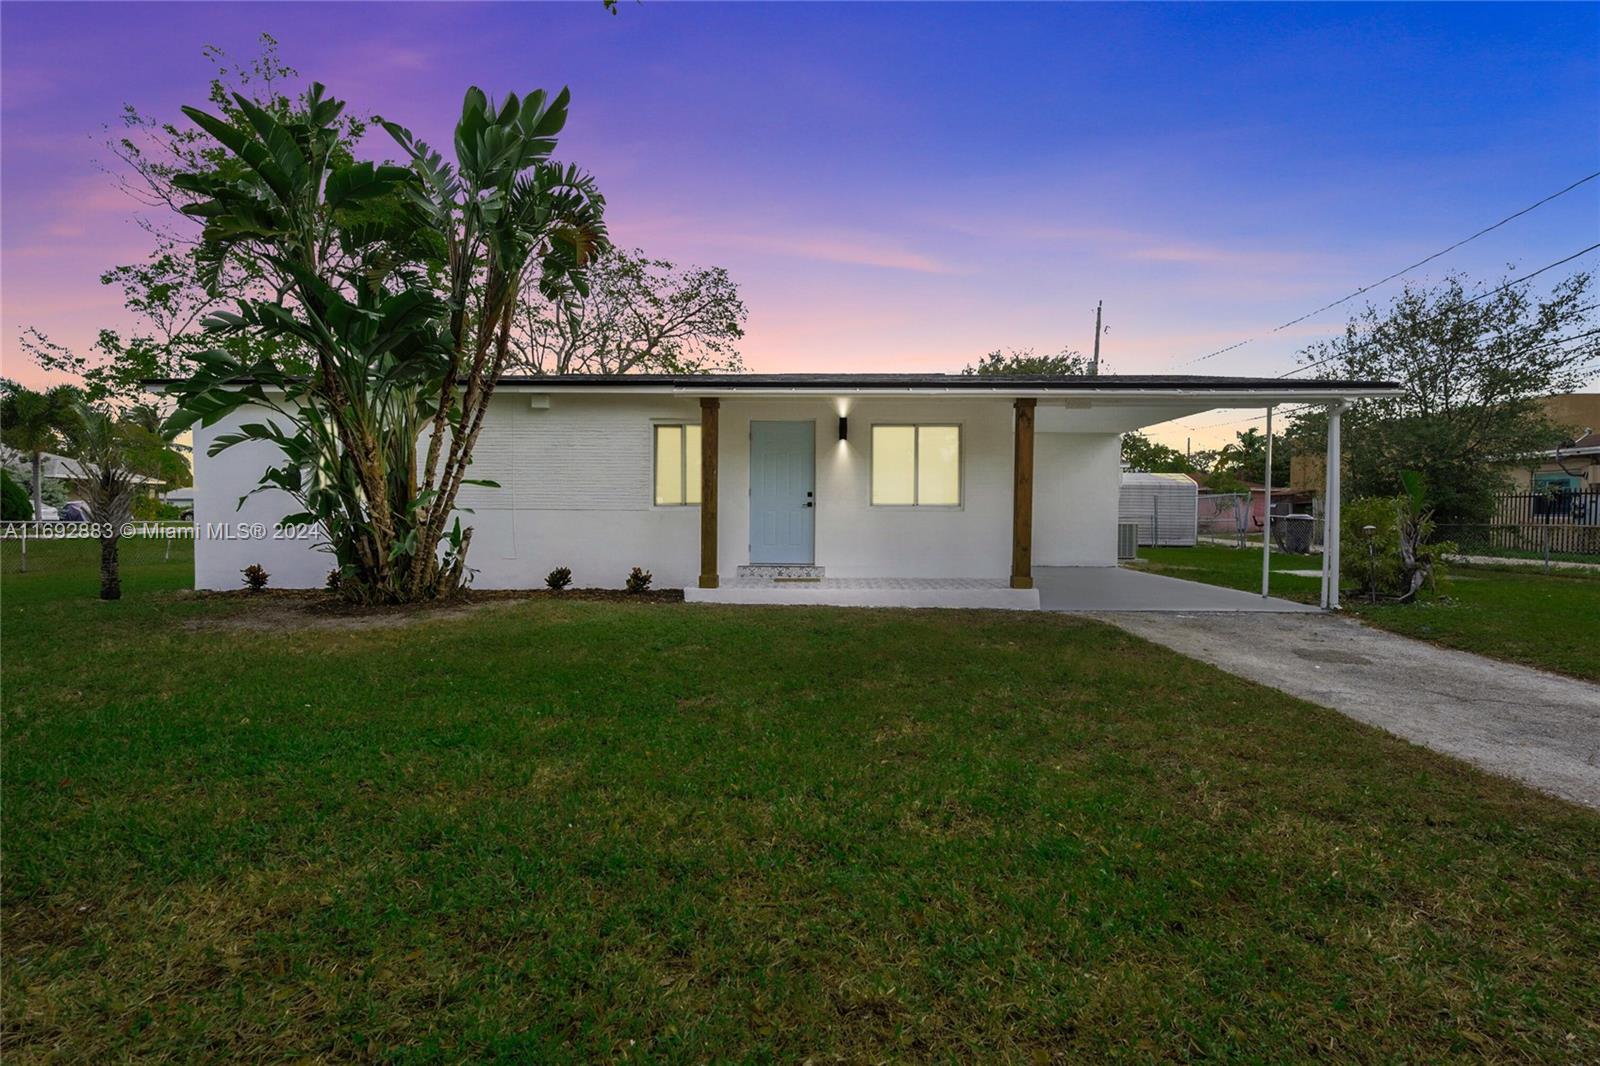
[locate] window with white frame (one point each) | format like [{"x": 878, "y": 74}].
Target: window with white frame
[
  {"x": 916, "y": 466},
  {"x": 677, "y": 464}
]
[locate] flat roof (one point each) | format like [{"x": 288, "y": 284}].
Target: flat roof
[
  {"x": 1194, "y": 392},
  {"x": 973, "y": 382},
  {"x": 1019, "y": 384}
]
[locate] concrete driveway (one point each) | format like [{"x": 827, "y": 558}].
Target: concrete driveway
[
  {"x": 1539, "y": 728},
  {"x": 1117, "y": 588}
]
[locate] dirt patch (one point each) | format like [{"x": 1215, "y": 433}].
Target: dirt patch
[{"x": 297, "y": 609}]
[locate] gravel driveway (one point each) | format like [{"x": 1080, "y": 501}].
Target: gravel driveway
[{"x": 1539, "y": 728}]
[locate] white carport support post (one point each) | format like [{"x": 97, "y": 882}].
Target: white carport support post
[
  {"x": 1266, "y": 529},
  {"x": 1330, "y": 513}
]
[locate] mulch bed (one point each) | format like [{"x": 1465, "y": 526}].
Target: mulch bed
[{"x": 280, "y": 608}]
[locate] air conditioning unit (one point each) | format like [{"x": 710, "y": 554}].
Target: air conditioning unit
[{"x": 1127, "y": 540}]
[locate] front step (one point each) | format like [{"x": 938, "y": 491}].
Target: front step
[{"x": 781, "y": 572}]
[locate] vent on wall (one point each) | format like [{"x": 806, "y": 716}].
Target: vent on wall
[{"x": 1127, "y": 540}]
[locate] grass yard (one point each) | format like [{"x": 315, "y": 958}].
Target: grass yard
[
  {"x": 568, "y": 831},
  {"x": 1506, "y": 613}
]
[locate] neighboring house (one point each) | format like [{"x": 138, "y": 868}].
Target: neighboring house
[
  {"x": 1574, "y": 467},
  {"x": 1244, "y": 513},
  {"x": 1285, "y": 501},
  {"x": 52, "y": 467},
  {"x": 942, "y": 489},
  {"x": 183, "y": 499}
]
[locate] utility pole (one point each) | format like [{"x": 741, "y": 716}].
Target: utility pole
[{"x": 1094, "y": 365}]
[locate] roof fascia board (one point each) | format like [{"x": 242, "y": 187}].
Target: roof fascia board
[{"x": 1253, "y": 397}]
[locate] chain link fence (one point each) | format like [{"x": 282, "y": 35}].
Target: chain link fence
[
  {"x": 64, "y": 548},
  {"x": 1231, "y": 519}
]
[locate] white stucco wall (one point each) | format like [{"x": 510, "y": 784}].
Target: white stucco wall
[
  {"x": 1077, "y": 481},
  {"x": 576, "y": 490}
]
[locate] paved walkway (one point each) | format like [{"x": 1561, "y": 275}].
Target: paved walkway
[
  {"x": 1539, "y": 728},
  {"x": 1117, "y": 588}
]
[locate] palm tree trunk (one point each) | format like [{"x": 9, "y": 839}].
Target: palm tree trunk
[
  {"x": 110, "y": 571},
  {"x": 38, "y": 494}
]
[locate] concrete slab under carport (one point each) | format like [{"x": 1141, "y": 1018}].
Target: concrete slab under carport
[{"x": 1104, "y": 589}]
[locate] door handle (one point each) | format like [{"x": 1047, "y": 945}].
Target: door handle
[{"x": 810, "y": 504}]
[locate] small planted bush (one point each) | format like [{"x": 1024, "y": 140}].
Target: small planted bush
[
  {"x": 335, "y": 579},
  {"x": 559, "y": 578},
  {"x": 638, "y": 580},
  {"x": 255, "y": 577},
  {"x": 1387, "y": 547}
]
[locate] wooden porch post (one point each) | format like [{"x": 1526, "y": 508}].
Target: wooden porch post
[
  {"x": 1022, "y": 498},
  {"x": 709, "y": 406}
]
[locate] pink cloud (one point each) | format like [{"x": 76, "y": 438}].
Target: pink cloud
[
  {"x": 851, "y": 248},
  {"x": 1203, "y": 255}
]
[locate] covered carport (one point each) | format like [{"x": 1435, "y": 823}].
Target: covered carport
[{"x": 1123, "y": 404}]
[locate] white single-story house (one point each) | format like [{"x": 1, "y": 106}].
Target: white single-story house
[{"x": 900, "y": 489}]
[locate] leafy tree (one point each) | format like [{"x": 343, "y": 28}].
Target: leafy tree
[
  {"x": 400, "y": 286},
  {"x": 1472, "y": 367},
  {"x": 638, "y": 314},
  {"x": 1246, "y": 458},
  {"x": 1141, "y": 453},
  {"x": 183, "y": 280},
  {"x": 170, "y": 464},
  {"x": 1024, "y": 361},
  {"x": 34, "y": 422}
]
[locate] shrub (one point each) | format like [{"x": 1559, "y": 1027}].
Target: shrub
[
  {"x": 1396, "y": 560},
  {"x": 150, "y": 509},
  {"x": 335, "y": 579},
  {"x": 255, "y": 577},
  {"x": 638, "y": 580},
  {"x": 1371, "y": 562},
  {"x": 15, "y": 506},
  {"x": 560, "y": 578}
]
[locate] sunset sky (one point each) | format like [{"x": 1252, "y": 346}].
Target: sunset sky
[{"x": 906, "y": 187}]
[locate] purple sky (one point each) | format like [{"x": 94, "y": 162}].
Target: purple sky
[{"x": 905, "y": 187}]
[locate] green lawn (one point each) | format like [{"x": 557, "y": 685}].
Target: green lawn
[
  {"x": 569, "y": 831},
  {"x": 1507, "y": 613}
]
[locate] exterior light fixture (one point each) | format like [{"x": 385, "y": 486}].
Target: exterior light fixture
[{"x": 844, "y": 429}]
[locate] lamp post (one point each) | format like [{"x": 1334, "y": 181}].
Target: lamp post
[{"x": 1372, "y": 563}]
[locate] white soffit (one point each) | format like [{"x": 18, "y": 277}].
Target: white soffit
[{"x": 1110, "y": 418}]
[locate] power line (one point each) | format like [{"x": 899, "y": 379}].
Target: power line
[
  {"x": 1256, "y": 418},
  {"x": 1536, "y": 273},
  {"x": 1404, "y": 270},
  {"x": 1557, "y": 343},
  {"x": 1475, "y": 299}
]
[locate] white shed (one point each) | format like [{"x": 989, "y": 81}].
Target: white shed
[{"x": 1163, "y": 505}]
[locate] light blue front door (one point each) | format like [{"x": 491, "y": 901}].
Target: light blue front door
[{"x": 783, "y": 466}]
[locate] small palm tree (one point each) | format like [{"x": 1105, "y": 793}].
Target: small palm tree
[
  {"x": 110, "y": 455},
  {"x": 33, "y": 423}
]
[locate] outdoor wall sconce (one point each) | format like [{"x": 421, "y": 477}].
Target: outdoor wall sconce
[{"x": 844, "y": 429}]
